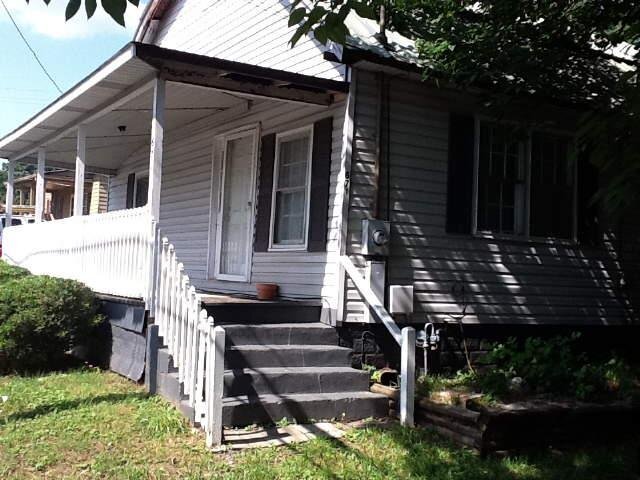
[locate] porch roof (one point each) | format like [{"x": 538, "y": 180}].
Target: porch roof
[{"x": 131, "y": 71}]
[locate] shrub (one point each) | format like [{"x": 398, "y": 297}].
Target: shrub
[
  {"x": 41, "y": 318},
  {"x": 8, "y": 272},
  {"x": 554, "y": 366}
]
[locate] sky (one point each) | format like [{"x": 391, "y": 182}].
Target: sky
[{"x": 69, "y": 50}]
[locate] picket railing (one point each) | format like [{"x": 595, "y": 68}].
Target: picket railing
[
  {"x": 195, "y": 344},
  {"x": 120, "y": 253},
  {"x": 109, "y": 252}
]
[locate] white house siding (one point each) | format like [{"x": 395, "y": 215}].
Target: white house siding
[
  {"x": 189, "y": 177},
  {"x": 248, "y": 31},
  {"x": 504, "y": 281}
]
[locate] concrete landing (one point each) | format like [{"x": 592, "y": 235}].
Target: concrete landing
[{"x": 242, "y": 439}]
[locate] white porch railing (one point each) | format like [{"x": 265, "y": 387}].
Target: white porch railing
[
  {"x": 108, "y": 252},
  {"x": 405, "y": 338},
  {"x": 196, "y": 346},
  {"x": 120, "y": 253}
]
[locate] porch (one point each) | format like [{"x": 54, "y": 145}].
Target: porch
[{"x": 158, "y": 123}]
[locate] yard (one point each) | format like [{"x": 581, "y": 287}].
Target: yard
[{"x": 91, "y": 424}]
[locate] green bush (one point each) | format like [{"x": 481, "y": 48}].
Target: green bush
[
  {"x": 41, "y": 318},
  {"x": 553, "y": 366},
  {"x": 8, "y": 272}
]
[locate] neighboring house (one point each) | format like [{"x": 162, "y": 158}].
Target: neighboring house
[
  {"x": 259, "y": 162},
  {"x": 59, "y": 191}
]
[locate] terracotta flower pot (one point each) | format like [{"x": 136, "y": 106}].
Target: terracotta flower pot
[{"x": 267, "y": 291}]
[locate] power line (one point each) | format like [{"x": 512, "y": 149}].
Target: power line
[{"x": 35, "y": 55}]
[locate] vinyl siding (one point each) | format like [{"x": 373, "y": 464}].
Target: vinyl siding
[
  {"x": 190, "y": 192},
  {"x": 503, "y": 281},
  {"x": 249, "y": 31}
]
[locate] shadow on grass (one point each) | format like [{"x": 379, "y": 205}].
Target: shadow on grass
[
  {"x": 70, "y": 405},
  {"x": 424, "y": 454}
]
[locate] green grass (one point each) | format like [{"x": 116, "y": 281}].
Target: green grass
[{"x": 89, "y": 424}]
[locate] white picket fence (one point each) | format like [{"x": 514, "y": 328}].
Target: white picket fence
[
  {"x": 120, "y": 253},
  {"x": 109, "y": 252},
  {"x": 195, "y": 344}
]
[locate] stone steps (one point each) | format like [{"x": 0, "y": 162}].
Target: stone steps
[
  {"x": 286, "y": 380},
  {"x": 302, "y": 407},
  {"x": 283, "y": 369},
  {"x": 262, "y": 356},
  {"x": 281, "y": 334}
]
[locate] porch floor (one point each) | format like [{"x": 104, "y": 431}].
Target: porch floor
[{"x": 212, "y": 299}]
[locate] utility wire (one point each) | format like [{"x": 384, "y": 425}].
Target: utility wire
[{"x": 35, "y": 55}]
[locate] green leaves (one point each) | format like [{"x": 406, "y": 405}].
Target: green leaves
[
  {"x": 90, "y": 7},
  {"x": 115, "y": 8},
  {"x": 72, "y": 8}
]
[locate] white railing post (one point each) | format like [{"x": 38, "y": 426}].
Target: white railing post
[
  {"x": 215, "y": 384},
  {"x": 81, "y": 150},
  {"x": 40, "y": 185},
  {"x": 407, "y": 376},
  {"x": 202, "y": 348},
  {"x": 155, "y": 155},
  {"x": 8, "y": 207}
]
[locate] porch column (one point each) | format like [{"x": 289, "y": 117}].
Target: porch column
[
  {"x": 155, "y": 157},
  {"x": 9, "y": 198},
  {"x": 78, "y": 195},
  {"x": 39, "y": 204}
]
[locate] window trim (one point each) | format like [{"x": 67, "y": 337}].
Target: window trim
[
  {"x": 527, "y": 145},
  {"x": 307, "y": 131}
]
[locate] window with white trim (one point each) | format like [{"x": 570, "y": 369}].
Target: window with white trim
[
  {"x": 525, "y": 183},
  {"x": 290, "y": 201}
]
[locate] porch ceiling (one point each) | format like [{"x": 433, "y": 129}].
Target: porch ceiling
[{"x": 119, "y": 94}]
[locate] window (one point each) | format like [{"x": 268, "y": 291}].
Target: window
[
  {"x": 290, "y": 200},
  {"x": 551, "y": 187},
  {"x": 14, "y": 222},
  {"x": 501, "y": 181},
  {"x": 142, "y": 190},
  {"x": 521, "y": 197}
]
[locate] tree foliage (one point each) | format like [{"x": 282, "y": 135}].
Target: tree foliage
[
  {"x": 525, "y": 54},
  {"x": 581, "y": 53},
  {"x": 115, "y": 8}
]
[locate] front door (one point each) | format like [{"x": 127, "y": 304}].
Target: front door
[{"x": 235, "y": 213}]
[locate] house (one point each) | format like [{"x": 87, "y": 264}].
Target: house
[
  {"x": 234, "y": 159},
  {"x": 59, "y": 190}
]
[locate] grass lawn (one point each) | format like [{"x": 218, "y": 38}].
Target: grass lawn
[{"x": 89, "y": 424}]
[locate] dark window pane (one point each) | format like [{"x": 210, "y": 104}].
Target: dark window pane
[
  {"x": 551, "y": 187},
  {"x": 142, "y": 190},
  {"x": 500, "y": 173}
]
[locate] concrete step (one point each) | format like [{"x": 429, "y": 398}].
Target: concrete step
[
  {"x": 287, "y": 380},
  {"x": 281, "y": 334},
  {"x": 165, "y": 362},
  {"x": 187, "y": 410},
  {"x": 169, "y": 387},
  {"x": 266, "y": 356},
  {"x": 345, "y": 406},
  {"x": 252, "y": 312}
]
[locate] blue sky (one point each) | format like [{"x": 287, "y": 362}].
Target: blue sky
[{"x": 69, "y": 50}]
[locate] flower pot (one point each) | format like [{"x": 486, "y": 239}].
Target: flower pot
[{"x": 267, "y": 291}]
